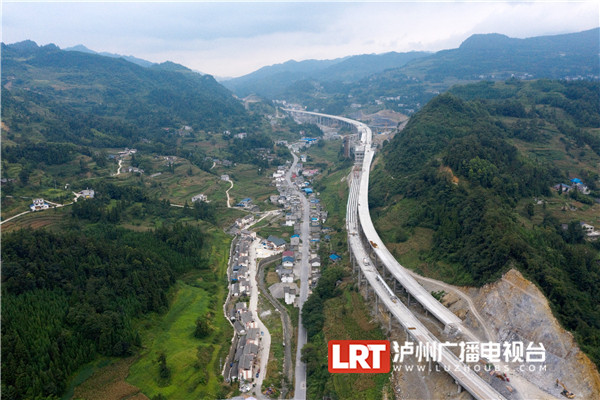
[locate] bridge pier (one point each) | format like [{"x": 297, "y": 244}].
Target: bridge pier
[{"x": 459, "y": 387}]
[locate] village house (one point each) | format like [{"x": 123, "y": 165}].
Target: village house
[
  {"x": 295, "y": 240},
  {"x": 199, "y": 197},
  {"x": 245, "y": 203},
  {"x": 39, "y": 204},
  {"x": 224, "y": 177},
  {"x": 246, "y": 234},
  {"x": 287, "y": 261},
  {"x": 87, "y": 193},
  {"x": 289, "y": 295},
  {"x": 135, "y": 170},
  {"x": 275, "y": 243},
  {"x": 290, "y": 219},
  {"x": 245, "y": 220}
]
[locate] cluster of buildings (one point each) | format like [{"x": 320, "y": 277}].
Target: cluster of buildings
[
  {"x": 39, "y": 204},
  {"x": 247, "y": 204},
  {"x": 244, "y": 221},
  {"x": 576, "y": 184},
  {"x": 239, "y": 277},
  {"x": 199, "y": 198},
  {"x": 288, "y": 270},
  {"x": 126, "y": 152},
  {"x": 244, "y": 366}
]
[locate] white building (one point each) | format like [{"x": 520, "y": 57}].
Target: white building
[
  {"x": 289, "y": 295},
  {"x": 199, "y": 197},
  {"x": 39, "y": 204}
]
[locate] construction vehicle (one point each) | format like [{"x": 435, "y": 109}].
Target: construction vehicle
[{"x": 565, "y": 392}]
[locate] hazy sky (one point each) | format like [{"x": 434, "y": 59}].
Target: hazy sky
[{"x": 235, "y": 38}]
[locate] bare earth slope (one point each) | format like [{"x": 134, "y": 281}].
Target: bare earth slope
[{"x": 517, "y": 311}]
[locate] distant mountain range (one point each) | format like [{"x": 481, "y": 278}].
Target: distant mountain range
[
  {"x": 135, "y": 60},
  {"x": 489, "y": 56},
  {"x": 273, "y": 80}
]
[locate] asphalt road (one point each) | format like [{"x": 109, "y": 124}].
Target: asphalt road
[
  {"x": 358, "y": 206},
  {"x": 300, "y": 368}
]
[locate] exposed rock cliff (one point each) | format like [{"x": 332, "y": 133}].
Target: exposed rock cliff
[{"x": 516, "y": 310}]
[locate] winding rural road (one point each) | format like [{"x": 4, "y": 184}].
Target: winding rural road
[
  {"x": 286, "y": 322},
  {"x": 227, "y": 193}
]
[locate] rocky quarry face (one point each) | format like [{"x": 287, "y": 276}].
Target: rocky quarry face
[{"x": 516, "y": 310}]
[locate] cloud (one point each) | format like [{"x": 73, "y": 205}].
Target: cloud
[{"x": 236, "y": 38}]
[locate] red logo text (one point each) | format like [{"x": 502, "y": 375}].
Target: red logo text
[{"x": 359, "y": 356}]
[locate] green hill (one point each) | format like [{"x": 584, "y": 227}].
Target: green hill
[
  {"x": 410, "y": 85},
  {"x": 474, "y": 171},
  {"x": 273, "y": 81},
  {"x": 66, "y": 93}
]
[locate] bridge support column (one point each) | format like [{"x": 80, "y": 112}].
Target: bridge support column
[
  {"x": 459, "y": 387},
  {"x": 390, "y": 322},
  {"x": 408, "y": 294}
]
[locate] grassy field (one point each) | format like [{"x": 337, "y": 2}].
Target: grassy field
[
  {"x": 106, "y": 381},
  {"x": 275, "y": 364},
  {"x": 348, "y": 318},
  {"x": 249, "y": 183},
  {"x": 194, "y": 363},
  {"x": 327, "y": 154},
  {"x": 50, "y": 219}
]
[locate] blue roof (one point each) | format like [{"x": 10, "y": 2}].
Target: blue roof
[
  {"x": 314, "y": 200},
  {"x": 576, "y": 180},
  {"x": 295, "y": 235},
  {"x": 308, "y": 190},
  {"x": 288, "y": 258},
  {"x": 247, "y": 199},
  {"x": 334, "y": 257}
]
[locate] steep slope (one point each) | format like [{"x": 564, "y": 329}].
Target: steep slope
[
  {"x": 121, "y": 99},
  {"x": 471, "y": 182}
]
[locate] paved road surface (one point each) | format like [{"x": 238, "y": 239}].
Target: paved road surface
[
  {"x": 265, "y": 343},
  {"x": 300, "y": 375},
  {"x": 358, "y": 205}
]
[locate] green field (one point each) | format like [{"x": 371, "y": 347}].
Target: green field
[{"x": 194, "y": 363}]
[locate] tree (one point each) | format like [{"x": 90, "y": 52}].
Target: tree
[
  {"x": 203, "y": 328},
  {"x": 163, "y": 371}
]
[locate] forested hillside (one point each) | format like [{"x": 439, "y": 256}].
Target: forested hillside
[
  {"x": 272, "y": 81},
  {"x": 409, "y": 85},
  {"x": 81, "y": 98},
  {"x": 475, "y": 170}
]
